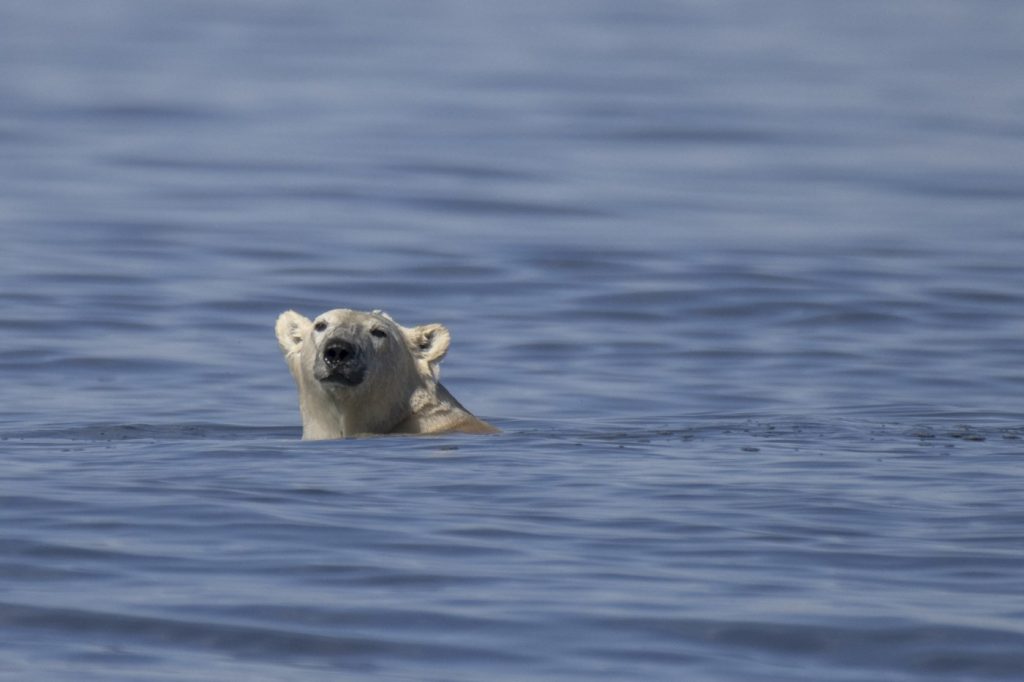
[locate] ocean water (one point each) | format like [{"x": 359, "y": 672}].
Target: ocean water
[{"x": 742, "y": 283}]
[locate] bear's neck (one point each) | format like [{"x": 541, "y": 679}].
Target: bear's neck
[
  {"x": 321, "y": 420},
  {"x": 360, "y": 419},
  {"x": 426, "y": 408}
]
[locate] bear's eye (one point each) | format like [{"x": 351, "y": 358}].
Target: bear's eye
[
  {"x": 320, "y": 326},
  {"x": 379, "y": 333}
]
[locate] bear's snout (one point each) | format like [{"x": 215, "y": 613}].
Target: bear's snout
[
  {"x": 340, "y": 362},
  {"x": 337, "y": 351}
]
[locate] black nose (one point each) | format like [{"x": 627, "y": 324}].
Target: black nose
[{"x": 337, "y": 352}]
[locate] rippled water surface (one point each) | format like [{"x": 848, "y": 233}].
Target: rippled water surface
[{"x": 740, "y": 282}]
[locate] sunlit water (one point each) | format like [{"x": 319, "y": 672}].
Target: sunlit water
[{"x": 740, "y": 282}]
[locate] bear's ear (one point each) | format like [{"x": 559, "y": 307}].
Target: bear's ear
[
  {"x": 431, "y": 342},
  {"x": 291, "y": 329}
]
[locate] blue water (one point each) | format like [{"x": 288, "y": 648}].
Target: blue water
[{"x": 741, "y": 282}]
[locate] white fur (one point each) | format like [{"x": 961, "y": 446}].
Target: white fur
[{"x": 400, "y": 392}]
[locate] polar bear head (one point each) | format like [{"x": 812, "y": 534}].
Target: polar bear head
[
  {"x": 360, "y": 372},
  {"x": 349, "y": 349}
]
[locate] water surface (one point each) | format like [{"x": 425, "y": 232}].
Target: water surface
[{"x": 741, "y": 285}]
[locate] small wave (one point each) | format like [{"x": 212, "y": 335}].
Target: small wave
[{"x": 108, "y": 432}]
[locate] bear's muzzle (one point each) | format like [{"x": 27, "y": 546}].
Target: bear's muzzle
[{"x": 340, "y": 362}]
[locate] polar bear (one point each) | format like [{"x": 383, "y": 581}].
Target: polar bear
[{"x": 363, "y": 373}]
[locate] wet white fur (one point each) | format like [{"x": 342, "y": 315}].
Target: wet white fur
[{"x": 400, "y": 393}]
